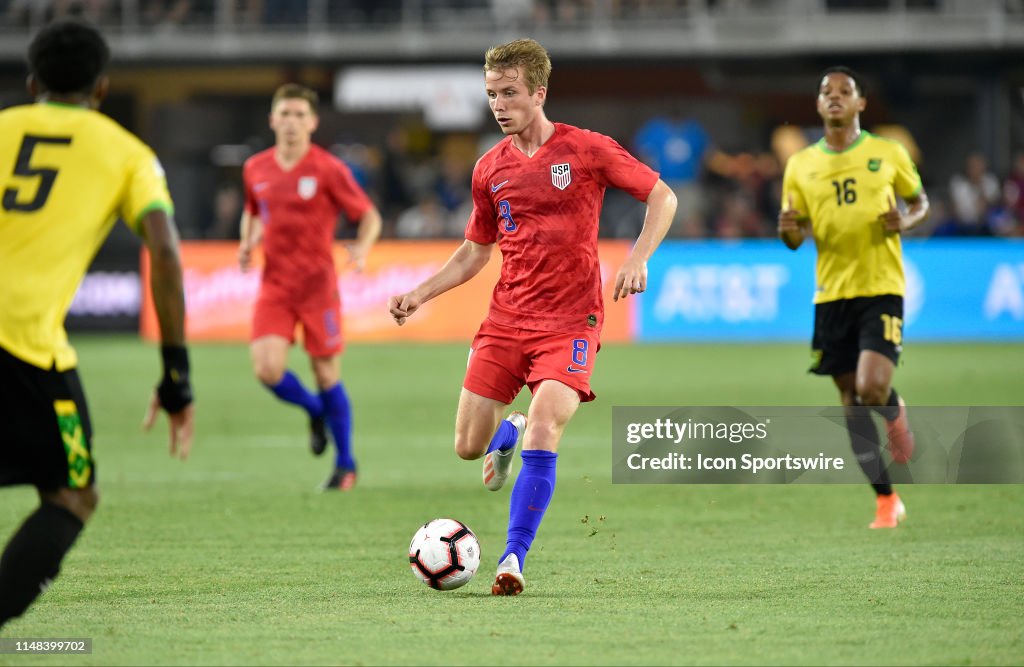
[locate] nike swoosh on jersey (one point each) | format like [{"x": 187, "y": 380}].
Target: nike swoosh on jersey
[
  {"x": 259, "y": 186},
  {"x": 575, "y": 370},
  {"x": 495, "y": 188}
]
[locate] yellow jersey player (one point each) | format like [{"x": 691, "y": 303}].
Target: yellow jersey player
[
  {"x": 67, "y": 173},
  {"x": 842, "y": 192}
]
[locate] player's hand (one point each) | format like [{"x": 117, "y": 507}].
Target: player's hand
[
  {"x": 244, "y": 256},
  {"x": 356, "y": 256},
  {"x": 174, "y": 395},
  {"x": 403, "y": 306},
  {"x": 182, "y": 425},
  {"x": 631, "y": 278},
  {"x": 789, "y": 218},
  {"x": 892, "y": 219}
]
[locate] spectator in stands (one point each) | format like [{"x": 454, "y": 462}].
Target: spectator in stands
[
  {"x": 786, "y": 140},
  {"x": 516, "y": 13},
  {"x": 24, "y": 12},
  {"x": 452, "y": 186},
  {"x": 427, "y": 219},
  {"x": 166, "y": 13},
  {"x": 739, "y": 218},
  {"x": 393, "y": 181},
  {"x": 559, "y": 11},
  {"x": 1013, "y": 193},
  {"x": 227, "y": 209},
  {"x": 676, "y": 146},
  {"x": 902, "y": 135},
  {"x": 973, "y": 194},
  {"x": 752, "y": 199},
  {"x": 358, "y": 158},
  {"x": 286, "y": 12}
]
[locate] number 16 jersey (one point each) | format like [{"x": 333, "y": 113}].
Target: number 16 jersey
[{"x": 844, "y": 194}]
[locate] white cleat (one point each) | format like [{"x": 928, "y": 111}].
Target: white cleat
[
  {"x": 498, "y": 464},
  {"x": 509, "y": 580}
]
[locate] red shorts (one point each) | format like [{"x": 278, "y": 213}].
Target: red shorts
[
  {"x": 321, "y": 324},
  {"x": 502, "y": 359}
]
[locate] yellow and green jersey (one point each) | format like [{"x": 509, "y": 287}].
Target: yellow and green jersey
[
  {"x": 844, "y": 194},
  {"x": 67, "y": 173}
]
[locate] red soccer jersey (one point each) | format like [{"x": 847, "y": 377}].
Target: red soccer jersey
[
  {"x": 299, "y": 209},
  {"x": 544, "y": 212}
]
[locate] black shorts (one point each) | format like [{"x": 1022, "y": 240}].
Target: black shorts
[
  {"x": 845, "y": 327},
  {"x": 45, "y": 432}
]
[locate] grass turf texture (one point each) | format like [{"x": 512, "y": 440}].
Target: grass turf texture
[{"x": 234, "y": 558}]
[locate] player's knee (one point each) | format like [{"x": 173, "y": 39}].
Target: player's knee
[
  {"x": 848, "y": 397},
  {"x": 466, "y": 448},
  {"x": 872, "y": 392},
  {"x": 80, "y": 502},
  {"x": 268, "y": 372},
  {"x": 544, "y": 433},
  {"x": 90, "y": 498},
  {"x": 325, "y": 378}
]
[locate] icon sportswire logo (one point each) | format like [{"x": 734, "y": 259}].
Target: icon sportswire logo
[{"x": 495, "y": 188}]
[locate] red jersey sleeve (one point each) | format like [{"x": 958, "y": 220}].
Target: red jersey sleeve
[
  {"x": 483, "y": 225},
  {"x": 250, "y": 198},
  {"x": 612, "y": 165},
  {"x": 345, "y": 192}
]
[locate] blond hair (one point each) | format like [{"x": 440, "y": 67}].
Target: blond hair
[
  {"x": 294, "y": 91},
  {"x": 526, "y": 54}
]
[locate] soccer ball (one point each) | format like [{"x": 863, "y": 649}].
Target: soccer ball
[{"x": 444, "y": 554}]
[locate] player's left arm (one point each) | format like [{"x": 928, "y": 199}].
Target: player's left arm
[
  {"x": 661, "y": 208},
  {"x": 250, "y": 231},
  {"x": 351, "y": 199},
  {"x": 174, "y": 393},
  {"x": 907, "y": 184},
  {"x": 916, "y": 213},
  {"x": 146, "y": 207},
  {"x": 369, "y": 232}
]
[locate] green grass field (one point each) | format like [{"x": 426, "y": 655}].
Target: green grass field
[{"x": 234, "y": 558}]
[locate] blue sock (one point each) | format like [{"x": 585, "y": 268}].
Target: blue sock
[
  {"x": 290, "y": 389},
  {"x": 339, "y": 418},
  {"x": 505, "y": 437},
  {"x": 530, "y": 498}
]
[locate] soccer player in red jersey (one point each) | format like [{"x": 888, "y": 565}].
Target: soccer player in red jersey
[
  {"x": 538, "y": 195},
  {"x": 293, "y": 195}
]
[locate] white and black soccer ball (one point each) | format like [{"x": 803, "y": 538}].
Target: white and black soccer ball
[{"x": 444, "y": 554}]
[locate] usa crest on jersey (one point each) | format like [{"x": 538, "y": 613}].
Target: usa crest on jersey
[
  {"x": 561, "y": 176},
  {"x": 307, "y": 187}
]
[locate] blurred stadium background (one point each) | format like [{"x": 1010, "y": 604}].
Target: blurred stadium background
[
  {"x": 715, "y": 94},
  {"x": 232, "y": 559}
]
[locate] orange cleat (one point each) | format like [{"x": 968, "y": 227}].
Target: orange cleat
[
  {"x": 901, "y": 438},
  {"x": 342, "y": 479},
  {"x": 889, "y": 511}
]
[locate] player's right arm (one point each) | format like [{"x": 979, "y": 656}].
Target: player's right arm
[
  {"x": 464, "y": 263},
  {"x": 250, "y": 233},
  {"x": 791, "y": 227},
  {"x": 793, "y": 220},
  {"x": 174, "y": 393},
  {"x": 251, "y": 226}
]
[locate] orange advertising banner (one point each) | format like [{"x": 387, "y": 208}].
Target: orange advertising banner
[{"x": 219, "y": 297}]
